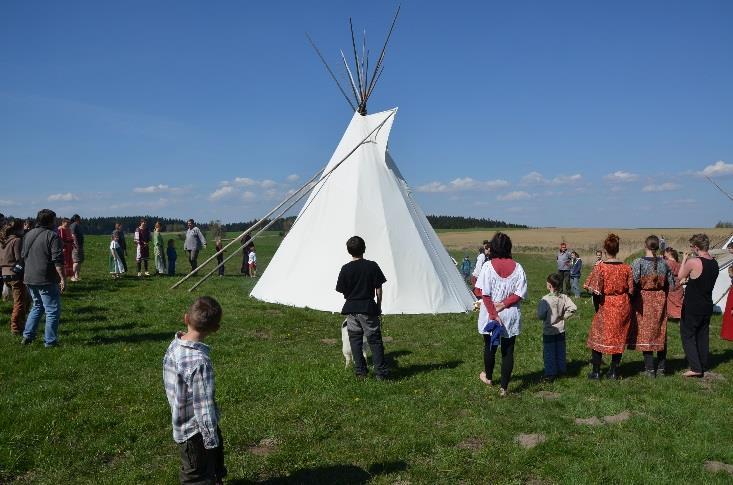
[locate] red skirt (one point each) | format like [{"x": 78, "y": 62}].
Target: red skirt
[{"x": 726, "y": 332}]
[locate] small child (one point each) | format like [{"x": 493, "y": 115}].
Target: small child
[
  {"x": 554, "y": 308},
  {"x": 188, "y": 376},
  {"x": 360, "y": 280},
  {"x": 170, "y": 252},
  {"x": 220, "y": 257},
  {"x": 116, "y": 266},
  {"x": 252, "y": 263}
]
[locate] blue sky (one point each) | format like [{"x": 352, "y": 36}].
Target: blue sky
[{"x": 544, "y": 113}]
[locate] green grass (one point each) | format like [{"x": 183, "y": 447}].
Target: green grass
[{"x": 94, "y": 410}]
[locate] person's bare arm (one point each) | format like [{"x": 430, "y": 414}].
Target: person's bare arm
[
  {"x": 378, "y": 292},
  {"x": 62, "y": 277},
  {"x": 688, "y": 266}
]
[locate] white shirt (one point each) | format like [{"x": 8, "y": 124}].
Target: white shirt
[
  {"x": 498, "y": 288},
  {"x": 480, "y": 260},
  {"x": 252, "y": 258}
]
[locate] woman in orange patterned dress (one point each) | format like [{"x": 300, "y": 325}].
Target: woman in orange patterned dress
[
  {"x": 613, "y": 282},
  {"x": 652, "y": 281},
  {"x": 674, "y": 297},
  {"x": 67, "y": 239}
]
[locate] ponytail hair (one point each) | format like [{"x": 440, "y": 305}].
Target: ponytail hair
[{"x": 652, "y": 244}]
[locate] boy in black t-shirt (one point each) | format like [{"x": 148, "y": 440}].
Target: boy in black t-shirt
[{"x": 359, "y": 281}]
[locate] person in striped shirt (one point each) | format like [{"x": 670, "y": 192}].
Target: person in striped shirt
[{"x": 188, "y": 376}]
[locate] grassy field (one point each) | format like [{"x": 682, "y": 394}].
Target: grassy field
[
  {"x": 584, "y": 240},
  {"x": 94, "y": 410}
]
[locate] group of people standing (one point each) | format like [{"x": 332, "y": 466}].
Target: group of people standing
[
  {"x": 633, "y": 303},
  {"x": 164, "y": 254}
]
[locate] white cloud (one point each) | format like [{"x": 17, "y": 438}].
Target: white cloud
[
  {"x": 249, "y": 196},
  {"x": 221, "y": 192},
  {"x": 718, "y": 169},
  {"x": 293, "y": 177},
  {"x": 245, "y": 181},
  {"x": 536, "y": 178},
  {"x": 516, "y": 195},
  {"x": 532, "y": 178},
  {"x": 268, "y": 184},
  {"x": 432, "y": 187},
  {"x": 665, "y": 187},
  {"x": 8, "y": 203},
  {"x": 68, "y": 196},
  {"x": 152, "y": 189},
  {"x": 462, "y": 184},
  {"x": 567, "y": 179},
  {"x": 621, "y": 176}
]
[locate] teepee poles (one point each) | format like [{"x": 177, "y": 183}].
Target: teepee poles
[
  {"x": 208, "y": 275},
  {"x": 323, "y": 176},
  {"x": 363, "y": 85},
  {"x": 380, "y": 59},
  {"x": 250, "y": 228},
  {"x": 719, "y": 188},
  {"x": 328, "y": 68}
]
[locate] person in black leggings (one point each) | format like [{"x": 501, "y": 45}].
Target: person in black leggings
[
  {"x": 507, "y": 358},
  {"x": 700, "y": 274}
]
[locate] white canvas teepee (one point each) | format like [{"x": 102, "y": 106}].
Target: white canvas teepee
[{"x": 365, "y": 196}]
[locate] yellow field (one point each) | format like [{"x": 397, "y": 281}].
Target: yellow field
[{"x": 584, "y": 241}]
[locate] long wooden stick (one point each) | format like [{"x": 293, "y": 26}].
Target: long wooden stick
[
  {"x": 253, "y": 238},
  {"x": 253, "y": 226},
  {"x": 323, "y": 177},
  {"x": 328, "y": 68}
]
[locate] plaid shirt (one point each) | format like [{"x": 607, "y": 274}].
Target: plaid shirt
[{"x": 188, "y": 376}]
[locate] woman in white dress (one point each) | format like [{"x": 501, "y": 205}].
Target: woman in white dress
[{"x": 503, "y": 285}]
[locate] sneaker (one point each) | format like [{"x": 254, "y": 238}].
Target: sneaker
[
  {"x": 594, "y": 376},
  {"x": 502, "y": 392},
  {"x": 147, "y": 274},
  {"x": 650, "y": 373},
  {"x": 139, "y": 275},
  {"x": 26, "y": 341},
  {"x": 482, "y": 377}
]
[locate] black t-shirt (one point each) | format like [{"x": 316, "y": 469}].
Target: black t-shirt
[{"x": 357, "y": 281}]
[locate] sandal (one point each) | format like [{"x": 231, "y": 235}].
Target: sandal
[{"x": 692, "y": 373}]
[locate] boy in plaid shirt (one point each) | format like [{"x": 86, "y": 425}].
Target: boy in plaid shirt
[{"x": 188, "y": 376}]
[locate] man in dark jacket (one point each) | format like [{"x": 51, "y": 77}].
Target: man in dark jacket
[{"x": 43, "y": 257}]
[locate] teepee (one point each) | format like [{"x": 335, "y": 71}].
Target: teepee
[
  {"x": 365, "y": 196},
  {"x": 361, "y": 192}
]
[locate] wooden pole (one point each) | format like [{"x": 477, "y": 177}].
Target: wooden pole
[
  {"x": 253, "y": 226},
  {"x": 328, "y": 68}
]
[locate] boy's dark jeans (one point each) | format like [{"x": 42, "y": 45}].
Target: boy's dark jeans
[
  {"x": 200, "y": 466},
  {"x": 358, "y": 325}
]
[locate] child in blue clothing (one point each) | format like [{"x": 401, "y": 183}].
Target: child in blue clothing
[{"x": 170, "y": 252}]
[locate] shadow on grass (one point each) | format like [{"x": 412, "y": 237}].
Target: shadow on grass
[
  {"x": 130, "y": 339},
  {"x": 715, "y": 359},
  {"x": 396, "y": 372},
  {"x": 342, "y": 474},
  {"x": 574, "y": 368}
]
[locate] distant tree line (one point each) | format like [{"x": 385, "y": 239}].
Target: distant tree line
[
  {"x": 105, "y": 225},
  {"x": 723, "y": 224},
  {"x": 459, "y": 222}
]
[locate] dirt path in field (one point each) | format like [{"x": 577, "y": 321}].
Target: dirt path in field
[{"x": 585, "y": 241}]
